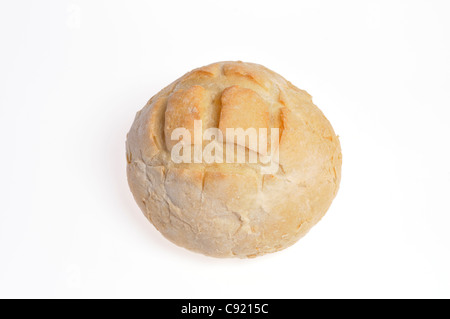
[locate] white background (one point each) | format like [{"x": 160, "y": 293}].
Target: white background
[{"x": 74, "y": 73}]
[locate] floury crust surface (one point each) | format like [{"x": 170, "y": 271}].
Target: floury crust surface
[{"x": 232, "y": 209}]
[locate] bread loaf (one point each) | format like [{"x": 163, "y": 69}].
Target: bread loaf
[{"x": 231, "y": 208}]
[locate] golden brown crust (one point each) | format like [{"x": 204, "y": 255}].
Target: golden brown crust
[
  {"x": 250, "y": 71},
  {"x": 184, "y": 106},
  {"x": 228, "y": 210}
]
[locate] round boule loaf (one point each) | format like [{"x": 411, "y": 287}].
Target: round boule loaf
[{"x": 224, "y": 205}]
